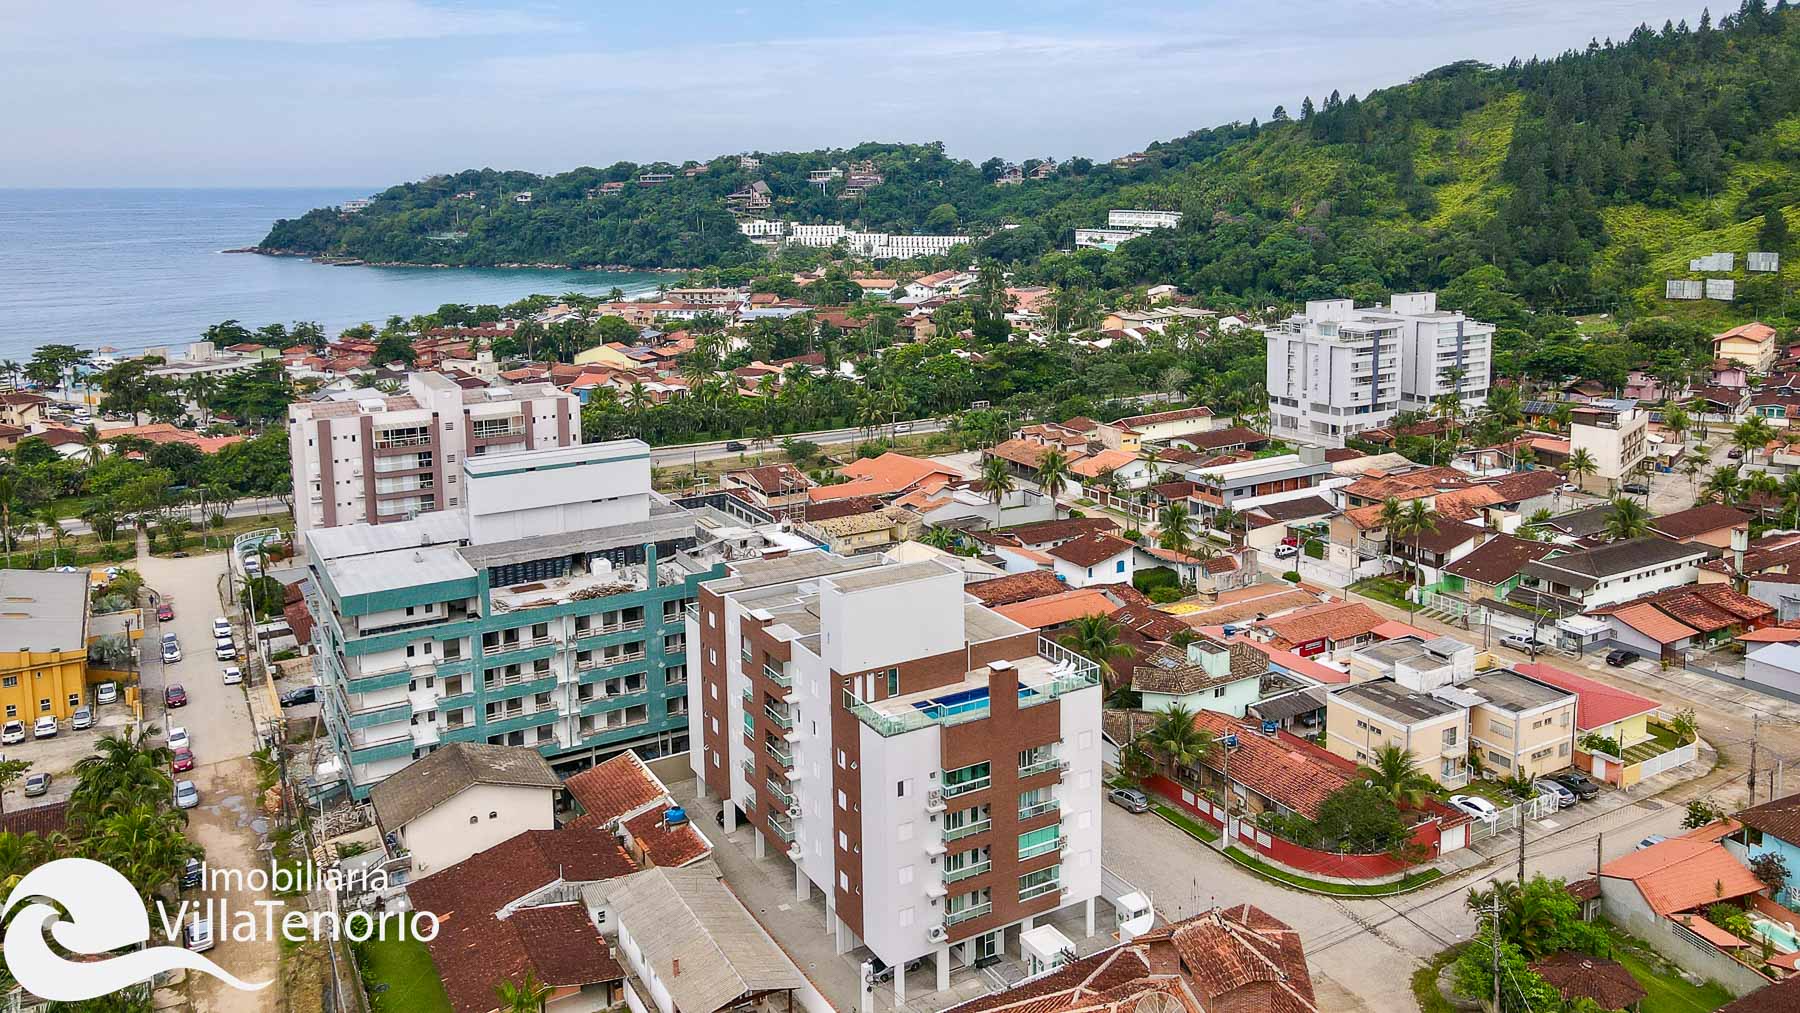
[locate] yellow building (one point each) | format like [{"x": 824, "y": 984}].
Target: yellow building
[{"x": 43, "y": 643}]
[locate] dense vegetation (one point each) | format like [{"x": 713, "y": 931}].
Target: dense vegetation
[{"x": 1567, "y": 184}]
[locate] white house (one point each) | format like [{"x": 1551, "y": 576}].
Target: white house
[
  {"x": 463, "y": 798},
  {"x": 1615, "y": 572},
  {"x": 1094, "y": 559}
]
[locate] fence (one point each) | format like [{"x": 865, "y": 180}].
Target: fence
[{"x": 1506, "y": 820}]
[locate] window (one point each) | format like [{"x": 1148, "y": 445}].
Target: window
[
  {"x": 1038, "y": 842},
  {"x": 44, "y": 706},
  {"x": 900, "y": 789},
  {"x": 10, "y": 681},
  {"x": 1449, "y": 736},
  {"x": 12, "y": 710},
  {"x": 893, "y": 682},
  {"x": 1119, "y": 567}
]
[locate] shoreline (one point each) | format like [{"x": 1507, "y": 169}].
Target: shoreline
[{"x": 542, "y": 266}]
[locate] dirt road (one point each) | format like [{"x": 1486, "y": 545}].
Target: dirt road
[{"x": 228, "y": 826}]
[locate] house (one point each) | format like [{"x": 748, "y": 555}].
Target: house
[
  {"x": 1492, "y": 569},
  {"x": 462, "y": 798},
  {"x": 518, "y": 907},
  {"x": 1208, "y": 675},
  {"x": 1772, "y": 657},
  {"x": 1225, "y": 441},
  {"x": 890, "y": 475},
  {"x": 1331, "y": 629},
  {"x": 1221, "y": 571},
  {"x": 1607, "y": 984},
  {"x": 1773, "y": 828},
  {"x": 1058, "y": 609},
  {"x": 1781, "y": 997},
  {"x": 1708, "y": 524},
  {"x": 21, "y": 409},
  {"x": 1166, "y": 427},
  {"x": 1432, "y": 550},
  {"x": 1226, "y": 960},
  {"x": 1016, "y": 587},
  {"x": 1664, "y": 624},
  {"x": 623, "y": 797},
  {"x": 873, "y": 531},
  {"x": 1616, "y": 437},
  {"x": 1614, "y": 572},
  {"x": 774, "y": 487},
  {"x": 685, "y": 936},
  {"x": 1646, "y": 748},
  {"x": 1660, "y": 894},
  {"x": 1752, "y": 344},
  {"x": 1093, "y": 559}
]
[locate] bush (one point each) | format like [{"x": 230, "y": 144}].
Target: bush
[
  {"x": 1700, "y": 812},
  {"x": 1292, "y": 576},
  {"x": 1075, "y": 514},
  {"x": 1165, "y": 595},
  {"x": 1149, "y": 580},
  {"x": 1132, "y": 535}
]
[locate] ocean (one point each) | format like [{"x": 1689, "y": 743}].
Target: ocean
[{"x": 136, "y": 269}]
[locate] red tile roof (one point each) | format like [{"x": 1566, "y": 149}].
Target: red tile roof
[
  {"x": 1287, "y": 769},
  {"x": 1057, "y": 609},
  {"x": 1335, "y": 621},
  {"x": 1577, "y": 976},
  {"x": 1780, "y": 818},
  {"x": 474, "y": 950},
  {"x": 1090, "y": 549},
  {"x": 664, "y": 845},
  {"x": 1597, "y": 704},
  {"x": 616, "y": 788},
  {"x": 1048, "y": 532},
  {"x": 1684, "y": 873},
  {"x": 1016, "y": 587},
  {"x": 1700, "y": 520}
]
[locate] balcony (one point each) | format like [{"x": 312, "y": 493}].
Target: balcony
[
  {"x": 1052, "y": 672},
  {"x": 1031, "y": 812},
  {"x": 1034, "y": 892},
  {"x": 953, "y": 790},
  {"x": 1040, "y": 850},
  {"x": 1042, "y": 766},
  {"x": 968, "y": 913},
  {"x": 782, "y": 829},
  {"x": 392, "y": 442},
  {"x": 782, "y": 720},
  {"x": 778, "y": 676},
  {"x": 967, "y": 871},
  {"x": 782, "y": 756},
  {"x": 749, "y": 766},
  {"x": 780, "y": 794},
  {"x": 968, "y": 830}
]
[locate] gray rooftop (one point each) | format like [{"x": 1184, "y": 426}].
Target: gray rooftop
[
  {"x": 434, "y": 779},
  {"x": 400, "y": 568},
  {"x": 688, "y": 915},
  {"x": 1395, "y": 702},
  {"x": 545, "y": 459},
  {"x": 802, "y": 566},
  {"x": 981, "y": 624},
  {"x": 1583, "y": 568},
  {"x": 43, "y": 610},
  {"x": 358, "y": 539},
  {"x": 660, "y": 527},
  {"x": 1511, "y": 691},
  {"x": 888, "y": 576}
]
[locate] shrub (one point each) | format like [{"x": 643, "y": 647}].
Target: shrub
[
  {"x": 1165, "y": 595},
  {"x": 1149, "y": 580},
  {"x": 1073, "y": 514},
  {"x": 1292, "y": 576},
  {"x": 1132, "y": 535},
  {"x": 1700, "y": 812}
]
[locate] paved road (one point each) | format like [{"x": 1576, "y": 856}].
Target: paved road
[
  {"x": 217, "y": 716},
  {"x": 695, "y": 452}
]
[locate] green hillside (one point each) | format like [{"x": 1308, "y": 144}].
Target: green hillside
[{"x": 1575, "y": 184}]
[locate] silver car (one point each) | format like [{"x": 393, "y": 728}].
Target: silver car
[{"x": 186, "y": 795}]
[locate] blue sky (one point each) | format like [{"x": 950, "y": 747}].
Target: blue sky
[{"x": 317, "y": 92}]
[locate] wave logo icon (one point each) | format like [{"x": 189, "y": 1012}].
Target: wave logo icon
[{"x": 104, "y": 914}]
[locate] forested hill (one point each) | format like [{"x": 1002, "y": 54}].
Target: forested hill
[{"x": 1564, "y": 184}]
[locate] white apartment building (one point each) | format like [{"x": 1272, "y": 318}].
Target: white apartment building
[
  {"x": 874, "y": 245},
  {"x": 815, "y": 235},
  {"x": 363, "y": 455},
  {"x": 931, "y": 766},
  {"x": 1134, "y": 219},
  {"x": 1616, "y": 438},
  {"x": 1336, "y": 370},
  {"x": 1104, "y": 239}
]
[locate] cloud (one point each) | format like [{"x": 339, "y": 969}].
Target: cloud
[{"x": 280, "y": 21}]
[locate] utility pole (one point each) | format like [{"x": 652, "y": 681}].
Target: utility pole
[
  {"x": 1494, "y": 933},
  {"x": 1522, "y": 810},
  {"x": 1755, "y": 727}
]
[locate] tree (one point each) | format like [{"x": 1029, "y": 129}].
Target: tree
[
  {"x": 1751, "y": 435},
  {"x": 1580, "y": 465},
  {"x": 1700, "y": 812},
  {"x": 1420, "y": 520},
  {"x": 1773, "y": 236},
  {"x": 10, "y": 772},
  {"x": 1395, "y": 773},
  {"x": 996, "y": 481},
  {"x": 1358, "y": 818},
  {"x": 1052, "y": 470},
  {"x": 1392, "y": 516},
  {"x": 1096, "y": 638},
  {"x": 1627, "y": 519},
  {"x": 1685, "y": 725},
  {"x": 1176, "y": 739},
  {"x": 526, "y": 995},
  {"x": 394, "y": 348},
  {"x": 1771, "y": 869},
  {"x": 1172, "y": 528}
]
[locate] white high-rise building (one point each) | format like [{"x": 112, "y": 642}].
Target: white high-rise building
[
  {"x": 1335, "y": 370},
  {"x": 930, "y": 765}
]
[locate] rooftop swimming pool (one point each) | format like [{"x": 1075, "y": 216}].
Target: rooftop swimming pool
[{"x": 964, "y": 702}]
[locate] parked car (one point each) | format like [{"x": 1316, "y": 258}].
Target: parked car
[
  {"x": 175, "y": 696},
  {"x": 720, "y": 818},
  {"x": 183, "y": 761},
  {"x": 1476, "y": 806},
  {"x": 1636, "y": 489},
  {"x": 193, "y": 874},
  {"x": 1564, "y": 797},
  {"x": 296, "y": 697},
  {"x": 1567, "y": 487},
  {"x": 36, "y": 785},
  {"x": 1521, "y": 642},
  {"x": 1650, "y": 842},
  {"x": 106, "y": 692},
  {"x": 186, "y": 795},
  {"x": 221, "y": 627},
  {"x": 233, "y": 675},
  {"x": 44, "y": 729},
  {"x": 1286, "y": 551},
  {"x": 178, "y": 738},
  {"x": 81, "y": 719},
  {"x": 1577, "y": 782},
  {"x": 165, "y": 612},
  {"x": 735, "y": 446},
  {"x": 1129, "y": 799},
  {"x": 224, "y": 650},
  {"x": 1621, "y": 657},
  {"x": 1736, "y": 453},
  {"x": 171, "y": 652},
  {"x": 880, "y": 972},
  {"x": 13, "y": 733},
  {"x": 197, "y": 935}
]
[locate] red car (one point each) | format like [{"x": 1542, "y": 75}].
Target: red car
[
  {"x": 165, "y": 612},
  {"x": 175, "y": 696},
  {"x": 184, "y": 759}
]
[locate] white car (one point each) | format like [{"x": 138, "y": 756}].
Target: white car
[
  {"x": 1286, "y": 551},
  {"x": 1476, "y": 806},
  {"x": 13, "y": 733},
  {"x": 197, "y": 935},
  {"x": 224, "y": 649},
  {"x": 106, "y": 692},
  {"x": 44, "y": 729},
  {"x": 178, "y": 738},
  {"x": 187, "y": 796},
  {"x": 221, "y": 627},
  {"x": 233, "y": 675}
]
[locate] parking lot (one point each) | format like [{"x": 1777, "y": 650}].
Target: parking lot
[{"x": 58, "y": 756}]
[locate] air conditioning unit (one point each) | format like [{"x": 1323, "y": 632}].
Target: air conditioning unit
[
  {"x": 793, "y": 811},
  {"x": 937, "y": 933},
  {"x": 1063, "y": 766},
  {"x": 1062, "y": 843},
  {"x": 934, "y": 800}
]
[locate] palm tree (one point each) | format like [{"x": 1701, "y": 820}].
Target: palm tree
[
  {"x": 1419, "y": 521},
  {"x": 57, "y": 534},
  {"x": 1581, "y": 463},
  {"x": 527, "y": 995},
  {"x": 9, "y": 495},
  {"x": 997, "y": 480},
  {"x": 1395, "y": 773},
  {"x": 1052, "y": 469},
  {"x": 1677, "y": 422},
  {"x": 1096, "y": 638},
  {"x": 1392, "y": 513},
  {"x": 1228, "y": 521},
  {"x": 201, "y": 387},
  {"x": 1751, "y": 435},
  {"x": 1628, "y": 519},
  {"x": 1176, "y": 739},
  {"x": 1722, "y": 484},
  {"x": 1172, "y": 522},
  {"x": 939, "y": 537},
  {"x": 1560, "y": 417}
]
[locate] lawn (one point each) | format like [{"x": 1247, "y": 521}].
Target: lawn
[
  {"x": 1661, "y": 741},
  {"x": 1425, "y": 979},
  {"x": 1383, "y": 589},
  {"x": 1411, "y": 881},
  {"x": 401, "y": 977},
  {"x": 1187, "y": 824},
  {"x": 1668, "y": 993}
]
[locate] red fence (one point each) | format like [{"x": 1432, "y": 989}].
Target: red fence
[{"x": 1427, "y": 835}]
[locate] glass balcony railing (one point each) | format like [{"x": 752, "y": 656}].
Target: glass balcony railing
[
  {"x": 1039, "y": 890},
  {"x": 782, "y": 828},
  {"x": 782, "y": 720},
  {"x": 1043, "y": 848},
  {"x": 778, "y": 676},
  {"x": 1031, "y": 812},
  {"x": 782, "y": 756},
  {"x": 967, "y": 830},
  {"x": 967, "y": 871},
  {"x": 972, "y": 911},
  {"x": 953, "y": 790},
  {"x": 1039, "y": 766}
]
